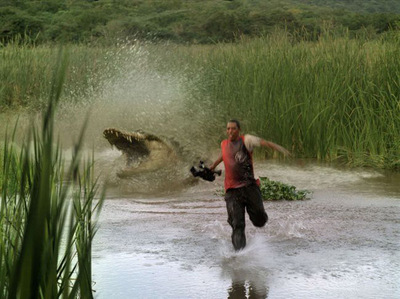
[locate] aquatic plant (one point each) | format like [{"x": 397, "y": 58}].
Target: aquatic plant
[
  {"x": 274, "y": 190},
  {"x": 47, "y": 213}
]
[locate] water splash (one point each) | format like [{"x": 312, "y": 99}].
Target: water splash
[
  {"x": 248, "y": 268},
  {"x": 143, "y": 90}
]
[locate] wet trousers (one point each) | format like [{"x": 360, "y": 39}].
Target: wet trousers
[{"x": 237, "y": 201}]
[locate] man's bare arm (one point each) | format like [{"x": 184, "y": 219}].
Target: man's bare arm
[{"x": 275, "y": 147}]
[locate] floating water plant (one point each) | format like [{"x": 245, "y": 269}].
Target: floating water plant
[{"x": 273, "y": 190}]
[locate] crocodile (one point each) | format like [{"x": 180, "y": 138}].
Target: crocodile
[{"x": 144, "y": 152}]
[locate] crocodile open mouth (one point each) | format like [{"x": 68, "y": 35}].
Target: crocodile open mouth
[{"x": 143, "y": 151}]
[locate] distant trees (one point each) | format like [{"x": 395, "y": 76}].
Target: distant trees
[
  {"x": 187, "y": 21},
  {"x": 364, "y": 6}
]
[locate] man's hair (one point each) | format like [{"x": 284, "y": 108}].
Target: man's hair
[{"x": 236, "y": 122}]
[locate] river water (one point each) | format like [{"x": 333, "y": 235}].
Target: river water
[{"x": 342, "y": 243}]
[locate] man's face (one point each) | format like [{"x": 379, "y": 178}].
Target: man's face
[{"x": 232, "y": 131}]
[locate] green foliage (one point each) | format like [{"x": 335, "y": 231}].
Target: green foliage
[
  {"x": 368, "y": 6},
  {"x": 273, "y": 190},
  {"x": 335, "y": 100},
  {"x": 15, "y": 22},
  {"x": 45, "y": 244},
  {"x": 206, "y": 21},
  {"x": 25, "y": 71}
]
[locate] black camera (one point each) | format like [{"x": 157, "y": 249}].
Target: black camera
[{"x": 204, "y": 172}]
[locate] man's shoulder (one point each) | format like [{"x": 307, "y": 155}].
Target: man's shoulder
[
  {"x": 251, "y": 138},
  {"x": 251, "y": 141}
]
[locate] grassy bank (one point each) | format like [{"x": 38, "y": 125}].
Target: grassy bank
[{"x": 336, "y": 99}]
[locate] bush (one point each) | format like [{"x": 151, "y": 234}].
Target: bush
[{"x": 18, "y": 23}]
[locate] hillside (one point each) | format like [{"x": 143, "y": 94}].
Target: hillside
[
  {"x": 364, "y": 6},
  {"x": 190, "y": 21}
]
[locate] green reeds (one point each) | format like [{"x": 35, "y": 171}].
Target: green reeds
[
  {"x": 26, "y": 73},
  {"x": 47, "y": 214},
  {"x": 335, "y": 99}
]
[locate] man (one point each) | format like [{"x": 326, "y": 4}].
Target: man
[{"x": 241, "y": 188}]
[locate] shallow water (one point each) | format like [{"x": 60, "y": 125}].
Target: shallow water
[{"x": 342, "y": 243}]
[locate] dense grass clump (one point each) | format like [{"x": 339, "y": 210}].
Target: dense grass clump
[
  {"x": 335, "y": 99},
  {"x": 47, "y": 214}
]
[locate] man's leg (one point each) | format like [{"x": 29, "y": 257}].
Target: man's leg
[
  {"x": 236, "y": 217},
  {"x": 255, "y": 206}
]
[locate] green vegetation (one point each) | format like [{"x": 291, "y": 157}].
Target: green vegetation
[
  {"x": 319, "y": 77},
  {"x": 206, "y": 21},
  {"x": 335, "y": 99},
  {"x": 273, "y": 190},
  {"x": 371, "y": 6},
  {"x": 47, "y": 214},
  {"x": 26, "y": 71}
]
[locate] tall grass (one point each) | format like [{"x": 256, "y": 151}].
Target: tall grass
[
  {"x": 334, "y": 99},
  {"x": 26, "y": 73},
  {"x": 47, "y": 213},
  {"x": 337, "y": 98}
]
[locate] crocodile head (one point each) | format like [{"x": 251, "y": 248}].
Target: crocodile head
[{"x": 143, "y": 151}]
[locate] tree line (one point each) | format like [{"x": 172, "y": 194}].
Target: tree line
[{"x": 185, "y": 21}]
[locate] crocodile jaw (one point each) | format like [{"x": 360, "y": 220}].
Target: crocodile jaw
[{"x": 132, "y": 144}]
